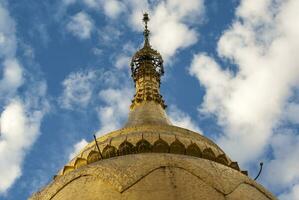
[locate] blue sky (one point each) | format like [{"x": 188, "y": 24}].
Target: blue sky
[{"x": 231, "y": 73}]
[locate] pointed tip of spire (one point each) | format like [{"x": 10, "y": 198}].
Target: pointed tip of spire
[
  {"x": 146, "y": 32},
  {"x": 145, "y": 18}
]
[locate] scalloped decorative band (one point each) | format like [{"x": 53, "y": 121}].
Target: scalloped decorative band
[{"x": 159, "y": 146}]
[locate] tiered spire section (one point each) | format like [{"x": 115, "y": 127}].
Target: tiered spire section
[{"x": 147, "y": 69}]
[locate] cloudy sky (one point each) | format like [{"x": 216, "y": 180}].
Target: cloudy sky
[{"x": 232, "y": 73}]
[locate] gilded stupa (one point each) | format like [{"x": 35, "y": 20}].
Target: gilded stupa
[{"x": 149, "y": 158}]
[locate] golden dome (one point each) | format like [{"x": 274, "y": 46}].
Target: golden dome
[{"x": 149, "y": 158}]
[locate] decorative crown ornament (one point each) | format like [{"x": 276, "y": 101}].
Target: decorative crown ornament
[{"x": 147, "y": 69}]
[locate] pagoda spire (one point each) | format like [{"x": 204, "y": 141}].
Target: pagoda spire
[
  {"x": 147, "y": 69},
  {"x": 147, "y": 106}
]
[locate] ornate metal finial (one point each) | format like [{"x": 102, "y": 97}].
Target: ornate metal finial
[
  {"x": 146, "y": 32},
  {"x": 147, "y": 69},
  {"x": 260, "y": 171},
  {"x": 95, "y": 140}
]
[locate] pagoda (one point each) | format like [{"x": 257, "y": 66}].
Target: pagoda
[{"x": 150, "y": 158}]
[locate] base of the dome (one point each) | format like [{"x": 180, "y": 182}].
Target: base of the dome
[{"x": 154, "y": 176}]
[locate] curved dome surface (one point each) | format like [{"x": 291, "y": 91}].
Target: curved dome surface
[
  {"x": 154, "y": 176},
  {"x": 150, "y": 139},
  {"x": 152, "y": 162}
]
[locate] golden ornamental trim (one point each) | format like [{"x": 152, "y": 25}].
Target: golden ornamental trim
[{"x": 158, "y": 146}]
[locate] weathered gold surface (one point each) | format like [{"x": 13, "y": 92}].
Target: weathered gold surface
[
  {"x": 147, "y": 113},
  {"x": 147, "y": 69},
  {"x": 150, "y": 138},
  {"x": 153, "y": 176}
]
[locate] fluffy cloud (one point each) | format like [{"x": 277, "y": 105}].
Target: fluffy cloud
[
  {"x": 77, "y": 148},
  {"x": 250, "y": 100},
  {"x": 112, "y": 95},
  {"x": 112, "y": 8},
  {"x": 80, "y": 25},
  {"x": 12, "y": 69},
  {"x": 19, "y": 130},
  {"x": 78, "y": 89},
  {"x": 123, "y": 59},
  {"x": 12, "y": 77},
  {"x": 181, "y": 119},
  {"x": 283, "y": 169},
  {"x": 170, "y": 23},
  {"x": 291, "y": 113},
  {"x": 21, "y": 114},
  {"x": 115, "y": 97},
  {"x": 8, "y": 42},
  {"x": 13, "y": 122},
  {"x": 113, "y": 113},
  {"x": 291, "y": 195},
  {"x": 171, "y": 20},
  {"x": 81, "y": 87},
  {"x": 20, "y": 123}
]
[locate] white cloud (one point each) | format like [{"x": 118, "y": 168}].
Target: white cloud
[
  {"x": 283, "y": 169},
  {"x": 291, "y": 113},
  {"x": 182, "y": 119},
  {"x": 170, "y": 23},
  {"x": 12, "y": 77},
  {"x": 20, "y": 123},
  {"x": 80, "y": 25},
  {"x": 113, "y": 8},
  {"x": 113, "y": 113},
  {"x": 78, "y": 89},
  {"x": 123, "y": 62},
  {"x": 12, "y": 69},
  {"x": 77, "y": 148},
  {"x": 251, "y": 101},
  {"x": 13, "y": 123},
  {"x": 112, "y": 89},
  {"x": 92, "y": 3},
  {"x": 8, "y": 42},
  {"x": 214, "y": 79},
  {"x": 245, "y": 99},
  {"x": 21, "y": 114},
  {"x": 291, "y": 195}
]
